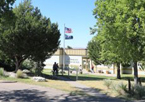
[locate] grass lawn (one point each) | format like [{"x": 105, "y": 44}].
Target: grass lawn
[
  {"x": 99, "y": 84},
  {"x": 53, "y": 83},
  {"x": 89, "y": 77},
  {"x": 47, "y": 71},
  {"x": 94, "y": 81},
  {"x": 57, "y": 84}
]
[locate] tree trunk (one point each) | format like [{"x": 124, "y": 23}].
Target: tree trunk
[
  {"x": 17, "y": 64},
  {"x": 129, "y": 86},
  {"x": 135, "y": 73},
  {"x": 118, "y": 71}
]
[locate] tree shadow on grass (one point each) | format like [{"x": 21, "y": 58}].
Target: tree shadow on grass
[
  {"x": 79, "y": 96},
  {"x": 33, "y": 95},
  {"x": 142, "y": 79},
  {"x": 23, "y": 96},
  {"x": 132, "y": 78},
  {"x": 126, "y": 78},
  {"x": 73, "y": 78},
  {"x": 50, "y": 77},
  {"x": 87, "y": 78}
]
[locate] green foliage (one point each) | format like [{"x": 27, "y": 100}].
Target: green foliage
[
  {"x": 108, "y": 83},
  {"x": 28, "y": 64},
  {"x": 33, "y": 70},
  {"x": 94, "y": 50},
  {"x": 5, "y": 8},
  {"x": 141, "y": 65},
  {"x": 126, "y": 65},
  {"x": 93, "y": 30},
  {"x": 120, "y": 89},
  {"x": 138, "y": 91},
  {"x": 30, "y": 35},
  {"x": 6, "y": 16},
  {"x": 1, "y": 72},
  {"x": 122, "y": 24},
  {"x": 37, "y": 69},
  {"x": 19, "y": 74}
]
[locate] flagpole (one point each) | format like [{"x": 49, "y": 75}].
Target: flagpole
[{"x": 63, "y": 51}]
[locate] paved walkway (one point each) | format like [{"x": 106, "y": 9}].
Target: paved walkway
[
  {"x": 92, "y": 92},
  {"x": 20, "y": 92}
]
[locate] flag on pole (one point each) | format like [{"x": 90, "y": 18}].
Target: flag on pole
[
  {"x": 67, "y": 37},
  {"x": 68, "y": 30}
]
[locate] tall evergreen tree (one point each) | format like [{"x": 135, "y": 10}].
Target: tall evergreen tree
[
  {"x": 6, "y": 7},
  {"x": 30, "y": 36},
  {"x": 6, "y": 17}
]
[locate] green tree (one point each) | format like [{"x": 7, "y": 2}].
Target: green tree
[
  {"x": 6, "y": 7},
  {"x": 30, "y": 36},
  {"x": 6, "y": 17},
  {"x": 101, "y": 54},
  {"x": 122, "y": 22},
  {"x": 94, "y": 50}
]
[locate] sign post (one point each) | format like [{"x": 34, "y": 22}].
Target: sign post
[{"x": 77, "y": 74}]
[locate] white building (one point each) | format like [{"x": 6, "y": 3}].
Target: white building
[
  {"x": 73, "y": 58},
  {"x": 76, "y": 57}
]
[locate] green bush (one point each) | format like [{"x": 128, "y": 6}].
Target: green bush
[
  {"x": 33, "y": 70},
  {"x": 19, "y": 74},
  {"x": 132, "y": 91},
  {"x": 28, "y": 64},
  {"x": 108, "y": 83},
  {"x": 37, "y": 69},
  {"x": 120, "y": 89},
  {"x": 139, "y": 91},
  {"x": 1, "y": 72}
]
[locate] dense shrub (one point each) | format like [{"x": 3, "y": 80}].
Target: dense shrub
[{"x": 138, "y": 91}]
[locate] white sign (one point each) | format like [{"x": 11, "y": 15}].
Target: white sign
[{"x": 73, "y": 60}]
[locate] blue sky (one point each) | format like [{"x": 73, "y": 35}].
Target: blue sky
[{"x": 75, "y": 14}]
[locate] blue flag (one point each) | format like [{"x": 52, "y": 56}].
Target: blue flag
[{"x": 67, "y": 37}]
